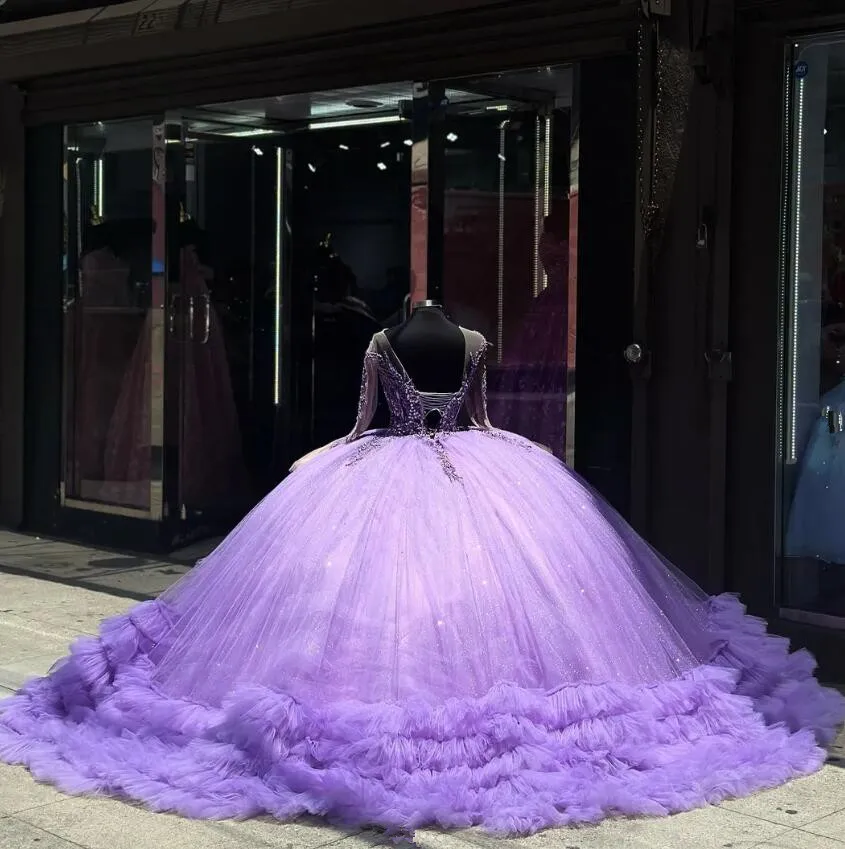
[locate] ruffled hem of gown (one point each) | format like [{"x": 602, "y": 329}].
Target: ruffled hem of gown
[{"x": 513, "y": 761}]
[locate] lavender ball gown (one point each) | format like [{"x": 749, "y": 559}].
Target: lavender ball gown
[{"x": 427, "y": 627}]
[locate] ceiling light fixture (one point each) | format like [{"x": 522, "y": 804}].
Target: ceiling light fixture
[
  {"x": 381, "y": 166},
  {"x": 257, "y": 150},
  {"x": 245, "y": 134},
  {"x": 452, "y": 137},
  {"x": 355, "y": 122}
]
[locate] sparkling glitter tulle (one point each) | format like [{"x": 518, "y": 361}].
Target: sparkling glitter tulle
[{"x": 427, "y": 626}]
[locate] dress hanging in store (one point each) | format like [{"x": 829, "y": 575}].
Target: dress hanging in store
[
  {"x": 815, "y": 527},
  {"x": 531, "y": 379},
  {"x": 212, "y": 467},
  {"x": 427, "y": 625}
]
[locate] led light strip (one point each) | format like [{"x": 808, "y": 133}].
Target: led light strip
[
  {"x": 355, "y": 122},
  {"x": 538, "y": 205},
  {"x": 98, "y": 187},
  {"x": 796, "y": 277},
  {"x": 547, "y": 182}
]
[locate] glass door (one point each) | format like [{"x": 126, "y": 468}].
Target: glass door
[
  {"x": 113, "y": 322},
  {"x": 509, "y": 231},
  {"x": 223, "y": 216}
]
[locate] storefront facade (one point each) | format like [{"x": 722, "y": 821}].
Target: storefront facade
[
  {"x": 784, "y": 522},
  {"x": 468, "y": 137},
  {"x": 653, "y": 138}
]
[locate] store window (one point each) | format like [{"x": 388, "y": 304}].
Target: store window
[
  {"x": 813, "y": 433},
  {"x": 508, "y": 230},
  {"x": 226, "y": 266},
  {"x": 110, "y": 424}
]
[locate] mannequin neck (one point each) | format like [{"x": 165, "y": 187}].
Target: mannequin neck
[
  {"x": 428, "y": 303},
  {"x": 428, "y": 311}
]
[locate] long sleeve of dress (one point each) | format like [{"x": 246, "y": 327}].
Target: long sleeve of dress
[
  {"x": 476, "y": 402},
  {"x": 368, "y": 399}
]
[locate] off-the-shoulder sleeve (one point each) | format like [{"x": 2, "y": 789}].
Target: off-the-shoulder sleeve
[
  {"x": 476, "y": 401},
  {"x": 368, "y": 399}
]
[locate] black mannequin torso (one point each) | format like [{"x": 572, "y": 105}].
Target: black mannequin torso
[{"x": 431, "y": 348}]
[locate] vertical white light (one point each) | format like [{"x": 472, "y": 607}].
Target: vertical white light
[
  {"x": 538, "y": 204},
  {"x": 98, "y": 187},
  {"x": 277, "y": 313},
  {"x": 547, "y": 181},
  {"x": 796, "y": 275}
]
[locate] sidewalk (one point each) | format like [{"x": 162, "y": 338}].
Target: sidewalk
[{"x": 51, "y": 592}]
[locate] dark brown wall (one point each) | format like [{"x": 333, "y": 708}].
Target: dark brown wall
[
  {"x": 686, "y": 416},
  {"x": 754, "y": 325},
  {"x": 289, "y": 30},
  {"x": 11, "y": 306}
]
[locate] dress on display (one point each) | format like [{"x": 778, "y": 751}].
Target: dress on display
[
  {"x": 815, "y": 527},
  {"x": 103, "y": 329},
  {"x": 427, "y": 626},
  {"x": 531, "y": 381},
  {"x": 211, "y": 454}
]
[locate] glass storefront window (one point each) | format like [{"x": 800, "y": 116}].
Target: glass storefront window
[
  {"x": 225, "y": 269},
  {"x": 226, "y": 266},
  {"x": 813, "y": 432},
  {"x": 109, "y": 272},
  {"x": 507, "y": 238}
]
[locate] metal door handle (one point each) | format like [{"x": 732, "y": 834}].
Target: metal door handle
[
  {"x": 207, "y": 300},
  {"x": 638, "y": 358},
  {"x": 171, "y": 313},
  {"x": 191, "y": 317},
  {"x": 634, "y": 353}
]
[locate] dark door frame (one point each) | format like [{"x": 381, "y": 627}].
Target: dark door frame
[
  {"x": 12, "y": 311},
  {"x": 764, "y": 31}
]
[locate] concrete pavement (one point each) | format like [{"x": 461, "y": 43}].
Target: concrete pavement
[{"x": 51, "y": 592}]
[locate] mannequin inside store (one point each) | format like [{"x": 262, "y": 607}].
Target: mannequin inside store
[{"x": 281, "y": 242}]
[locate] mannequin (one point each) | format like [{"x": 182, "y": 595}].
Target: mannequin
[{"x": 431, "y": 348}]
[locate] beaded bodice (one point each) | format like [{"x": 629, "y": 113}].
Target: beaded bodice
[
  {"x": 416, "y": 412},
  {"x": 412, "y": 411},
  {"x": 431, "y": 416}
]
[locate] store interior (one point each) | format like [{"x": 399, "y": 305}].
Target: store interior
[{"x": 221, "y": 310}]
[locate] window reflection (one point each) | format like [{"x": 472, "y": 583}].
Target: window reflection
[
  {"x": 352, "y": 217},
  {"x": 507, "y": 244},
  {"x": 227, "y": 266},
  {"x": 814, "y": 429},
  {"x": 108, "y": 270}
]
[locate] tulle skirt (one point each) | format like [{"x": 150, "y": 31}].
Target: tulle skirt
[{"x": 414, "y": 631}]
